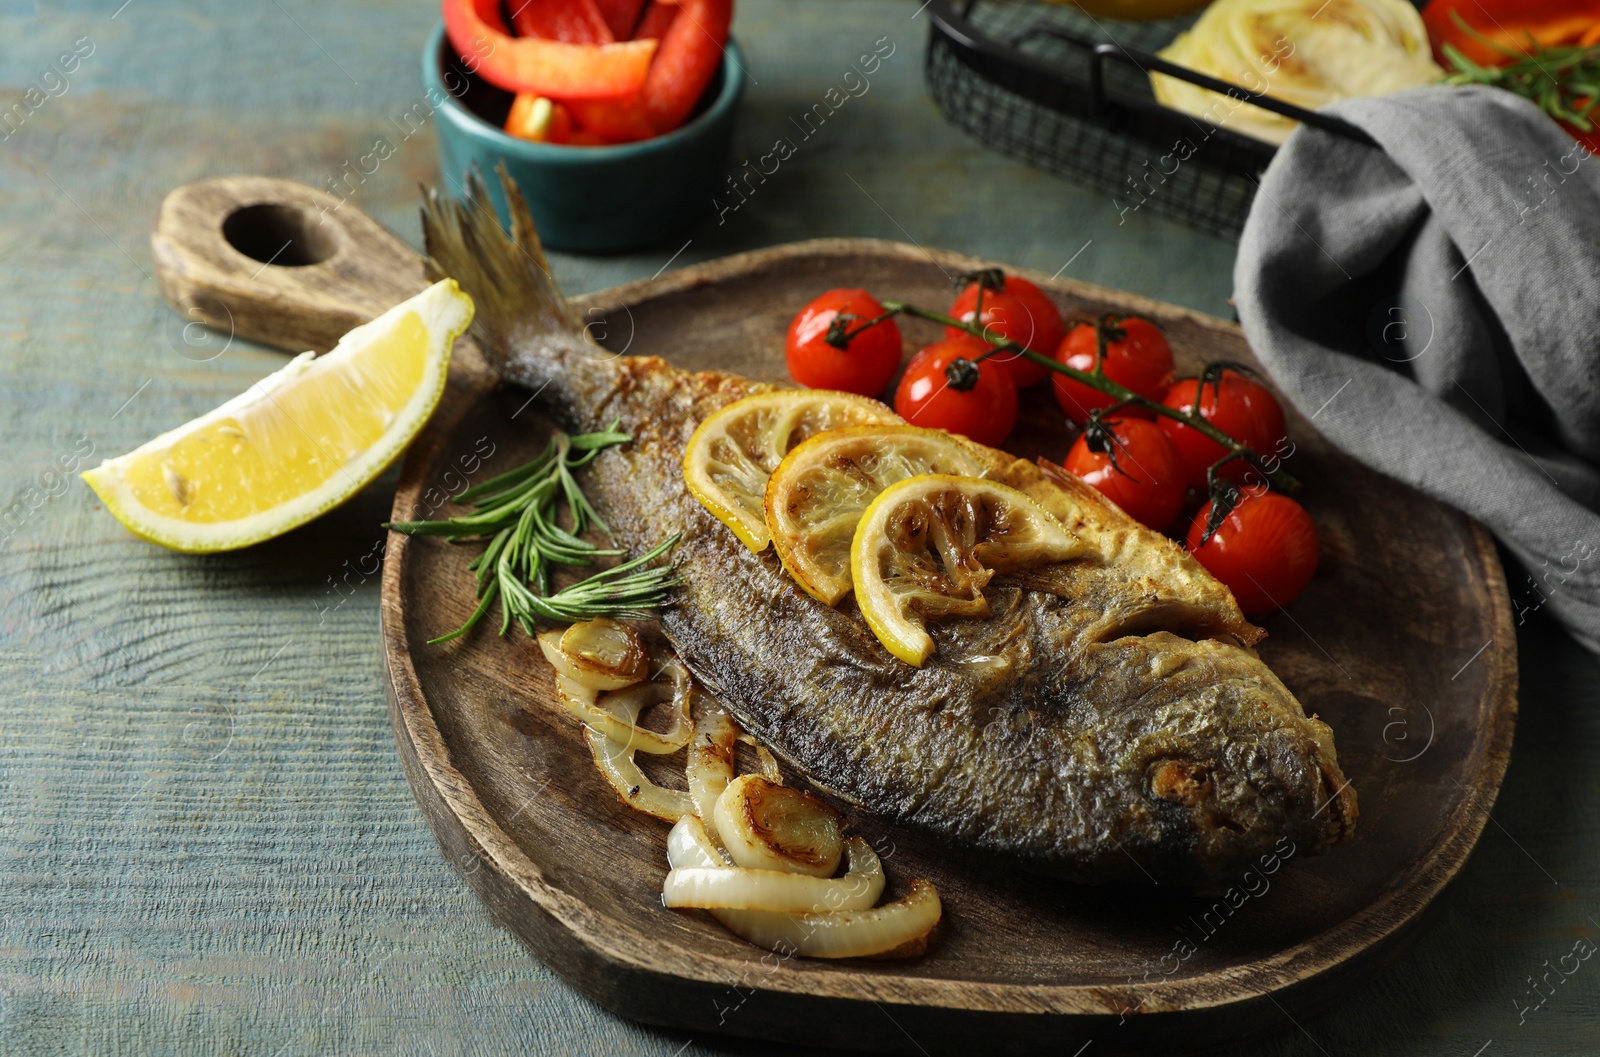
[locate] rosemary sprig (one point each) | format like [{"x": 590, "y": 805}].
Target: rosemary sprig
[
  {"x": 1563, "y": 80},
  {"x": 519, "y": 512}
]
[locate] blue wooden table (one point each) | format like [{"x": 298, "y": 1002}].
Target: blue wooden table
[{"x": 206, "y": 844}]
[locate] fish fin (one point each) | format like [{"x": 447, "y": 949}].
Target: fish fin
[{"x": 523, "y": 323}]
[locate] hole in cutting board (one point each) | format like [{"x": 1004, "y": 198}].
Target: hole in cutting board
[{"x": 279, "y": 234}]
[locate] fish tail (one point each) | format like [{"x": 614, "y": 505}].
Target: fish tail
[{"x": 523, "y": 324}]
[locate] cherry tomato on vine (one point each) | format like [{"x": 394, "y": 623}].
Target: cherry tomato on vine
[
  {"x": 1137, "y": 356},
  {"x": 1242, "y": 408},
  {"x": 1146, "y": 480},
  {"x": 865, "y": 365},
  {"x": 1265, "y": 550},
  {"x": 980, "y": 403},
  {"x": 1016, "y": 311}
]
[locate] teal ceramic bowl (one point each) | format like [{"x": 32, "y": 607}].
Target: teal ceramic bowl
[{"x": 584, "y": 199}]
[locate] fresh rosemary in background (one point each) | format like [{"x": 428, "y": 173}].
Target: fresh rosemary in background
[
  {"x": 520, "y": 514},
  {"x": 1562, "y": 80}
]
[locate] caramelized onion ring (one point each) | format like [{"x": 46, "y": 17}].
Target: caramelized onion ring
[
  {"x": 739, "y": 888},
  {"x": 710, "y": 764},
  {"x": 637, "y": 791},
  {"x": 769, "y": 762},
  {"x": 617, "y": 713},
  {"x": 599, "y": 654},
  {"x": 898, "y": 929},
  {"x": 768, "y": 826},
  {"x": 689, "y": 846}
]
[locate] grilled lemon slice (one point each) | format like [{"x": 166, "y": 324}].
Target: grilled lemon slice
[
  {"x": 297, "y": 443},
  {"x": 730, "y": 456},
  {"x": 817, "y": 494},
  {"x": 927, "y": 547}
]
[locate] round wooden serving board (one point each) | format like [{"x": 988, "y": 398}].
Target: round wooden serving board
[{"x": 1402, "y": 643}]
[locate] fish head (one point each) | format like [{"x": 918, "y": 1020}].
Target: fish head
[
  {"x": 1222, "y": 763},
  {"x": 1175, "y": 758}
]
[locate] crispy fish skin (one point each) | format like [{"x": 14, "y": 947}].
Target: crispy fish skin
[{"x": 1109, "y": 720}]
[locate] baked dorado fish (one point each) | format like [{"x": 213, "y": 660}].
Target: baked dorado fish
[{"x": 1107, "y": 721}]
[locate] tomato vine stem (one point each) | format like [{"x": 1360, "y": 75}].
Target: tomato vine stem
[{"x": 1279, "y": 477}]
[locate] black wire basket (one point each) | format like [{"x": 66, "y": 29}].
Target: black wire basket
[{"x": 1070, "y": 93}]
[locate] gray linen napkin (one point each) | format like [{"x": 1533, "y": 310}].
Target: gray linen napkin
[{"x": 1433, "y": 304}]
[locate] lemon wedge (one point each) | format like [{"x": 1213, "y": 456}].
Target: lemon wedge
[
  {"x": 296, "y": 444},
  {"x": 731, "y": 454},
  {"x": 927, "y": 546},
  {"x": 816, "y": 496}
]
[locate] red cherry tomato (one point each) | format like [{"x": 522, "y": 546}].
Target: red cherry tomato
[
  {"x": 1265, "y": 551},
  {"x": 1140, "y": 359},
  {"x": 865, "y": 366},
  {"x": 926, "y": 397},
  {"x": 1146, "y": 481},
  {"x": 1243, "y": 409},
  {"x": 1018, "y": 311}
]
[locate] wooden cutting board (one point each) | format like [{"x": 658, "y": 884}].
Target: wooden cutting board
[{"x": 1403, "y": 644}]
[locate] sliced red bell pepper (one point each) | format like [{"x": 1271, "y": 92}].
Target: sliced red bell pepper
[
  {"x": 655, "y": 22},
  {"x": 538, "y": 119},
  {"x": 570, "y": 21},
  {"x": 1513, "y": 24},
  {"x": 695, "y": 32},
  {"x": 621, "y": 121},
  {"x": 545, "y": 67},
  {"x": 621, "y": 15},
  {"x": 690, "y": 53}
]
